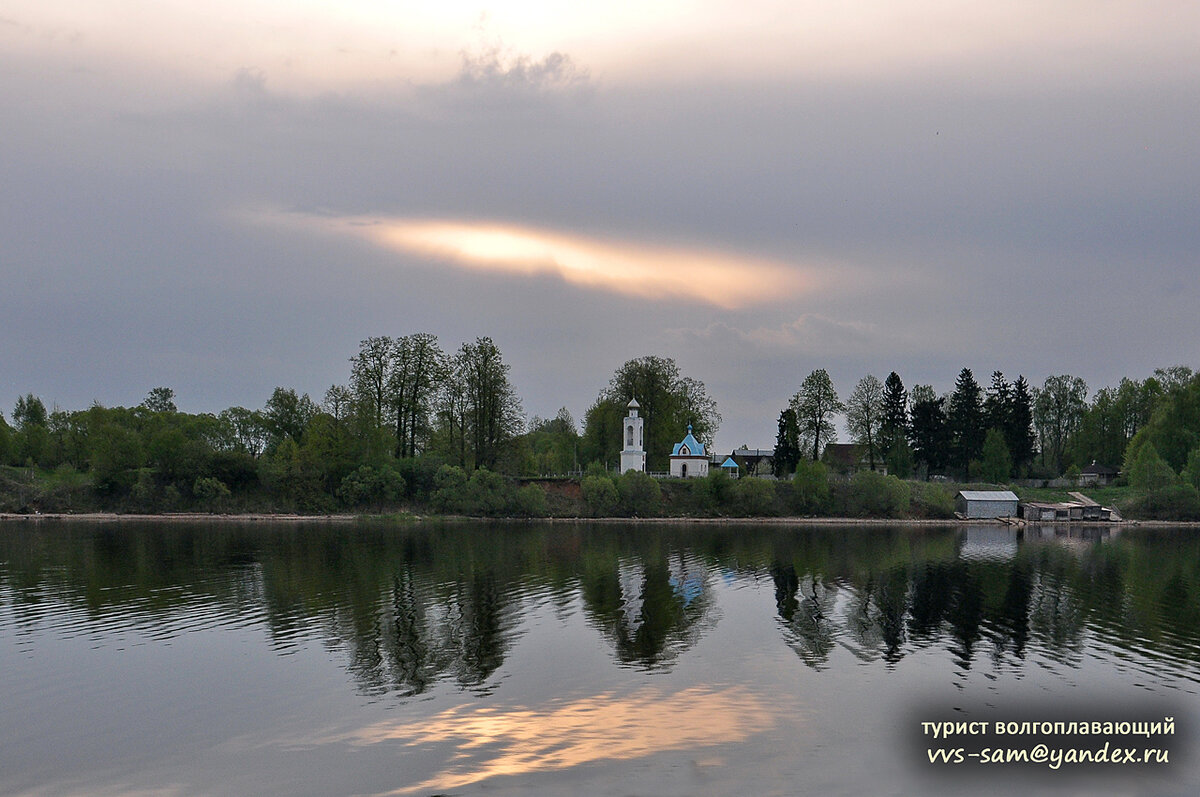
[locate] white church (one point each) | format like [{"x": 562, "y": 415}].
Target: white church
[{"x": 688, "y": 457}]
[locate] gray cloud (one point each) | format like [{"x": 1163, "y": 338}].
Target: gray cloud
[{"x": 964, "y": 220}]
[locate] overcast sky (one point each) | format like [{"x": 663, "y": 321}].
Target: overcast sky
[{"x": 227, "y": 196}]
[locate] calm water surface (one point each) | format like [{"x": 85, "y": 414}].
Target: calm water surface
[{"x": 581, "y": 659}]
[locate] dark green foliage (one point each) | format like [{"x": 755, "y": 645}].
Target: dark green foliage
[
  {"x": 1191, "y": 472},
  {"x": 160, "y": 399},
  {"x": 29, "y": 411},
  {"x": 930, "y": 432},
  {"x": 1018, "y": 434},
  {"x": 931, "y": 500},
  {"x": 964, "y": 418},
  {"x": 715, "y": 490},
  {"x": 640, "y": 494},
  {"x": 211, "y": 493},
  {"x": 754, "y": 497},
  {"x": 1149, "y": 472},
  {"x": 895, "y": 427},
  {"x": 787, "y": 445},
  {"x": 995, "y": 464},
  {"x": 530, "y": 501},
  {"x": 552, "y": 445},
  {"x": 1057, "y": 411},
  {"x": 668, "y": 401},
  {"x": 1177, "y": 501},
  {"x": 899, "y": 459},
  {"x": 871, "y": 494},
  {"x": 368, "y": 486},
  {"x": 815, "y": 405},
  {"x": 810, "y": 488},
  {"x": 600, "y": 495}
]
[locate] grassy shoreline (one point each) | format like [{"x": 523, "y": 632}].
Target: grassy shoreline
[{"x": 795, "y": 520}]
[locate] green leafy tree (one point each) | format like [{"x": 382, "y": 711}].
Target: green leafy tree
[
  {"x": 286, "y": 416},
  {"x": 787, "y": 445},
  {"x": 668, "y": 401},
  {"x": 211, "y": 492},
  {"x": 493, "y": 411},
  {"x": 1057, "y": 410},
  {"x": 815, "y": 405},
  {"x": 810, "y": 487},
  {"x": 995, "y": 463},
  {"x": 1191, "y": 472},
  {"x": 160, "y": 399},
  {"x": 600, "y": 495},
  {"x": 864, "y": 418},
  {"x": 1149, "y": 472},
  {"x": 640, "y": 494}
]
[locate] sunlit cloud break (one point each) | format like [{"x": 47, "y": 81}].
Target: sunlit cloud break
[{"x": 631, "y": 268}]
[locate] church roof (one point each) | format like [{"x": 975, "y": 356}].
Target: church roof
[
  {"x": 729, "y": 463},
  {"x": 694, "y": 447},
  {"x": 633, "y": 405}
]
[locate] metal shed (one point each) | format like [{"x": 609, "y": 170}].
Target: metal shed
[{"x": 986, "y": 503}]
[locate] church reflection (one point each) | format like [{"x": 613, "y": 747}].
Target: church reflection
[{"x": 412, "y": 608}]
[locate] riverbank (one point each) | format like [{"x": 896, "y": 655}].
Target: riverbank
[{"x": 794, "y": 520}]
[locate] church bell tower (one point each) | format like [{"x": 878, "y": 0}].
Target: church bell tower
[{"x": 633, "y": 452}]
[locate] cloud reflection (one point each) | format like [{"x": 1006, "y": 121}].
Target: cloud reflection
[
  {"x": 491, "y": 740},
  {"x": 630, "y": 268}
]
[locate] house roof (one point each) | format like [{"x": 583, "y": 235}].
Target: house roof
[
  {"x": 695, "y": 447},
  {"x": 729, "y": 463},
  {"x": 988, "y": 495},
  {"x": 1100, "y": 470},
  {"x": 841, "y": 453}
]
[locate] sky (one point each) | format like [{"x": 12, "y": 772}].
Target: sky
[{"x": 226, "y": 197}]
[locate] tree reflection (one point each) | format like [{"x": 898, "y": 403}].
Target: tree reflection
[{"x": 413, "y": 607}]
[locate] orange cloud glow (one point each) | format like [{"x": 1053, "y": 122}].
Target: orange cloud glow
[
  {"x": 495, "y": 741},
  {"x": 634, "y": 269}
]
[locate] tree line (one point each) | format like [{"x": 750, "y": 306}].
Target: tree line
[
  {"x": 414, "y": 423},
  {"x": 1148, "y": 428}
]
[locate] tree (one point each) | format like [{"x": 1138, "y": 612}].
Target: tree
[
  {"x": 894, "y": 427},
  {"x": 669, "y": 402},
  {"x": 551, "y": 445},
  {"x": 996, "y": 464},
  {"x": 1149, "y": 472},
  {"x": 930, "y": 435},
  {"x": 964, "y": 416},
  {"x": 286, "y": 415},
  {"x": 1018, "y": 434},
  {"x": 864, "y": 417},
  {"x": 417, "y": 365},
  {"x": 787, "y": 445},
  {"x": 1057, "y": 410},
  {"x": 160, "y": 399},
  {"x": 29, "y": 411},
  {"x": 369, "y": 371},
  {"x": 493, "y": 411},
  {"x": 997, "y": 405},
  {"x": 815, "y": 404}
]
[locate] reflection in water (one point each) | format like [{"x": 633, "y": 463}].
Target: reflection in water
[
  {"x": 494, "y": 740},
  {"x": 440, "y": 612}
]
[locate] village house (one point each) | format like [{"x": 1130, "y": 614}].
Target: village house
[{"x": 846, "y": 459}]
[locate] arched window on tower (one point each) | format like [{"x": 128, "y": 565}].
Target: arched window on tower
[{"x": 629, "y": 442}]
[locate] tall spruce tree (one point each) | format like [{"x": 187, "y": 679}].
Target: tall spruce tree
[
  {"x": 895, "y": 412},
  {"x": 928, "y": 430},
  {"x": 1018, "y": 433},
  {"x": 787, "y": 445},
  {"x": 965, "y": 418}
]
